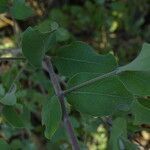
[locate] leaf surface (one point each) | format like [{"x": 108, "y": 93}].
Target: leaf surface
[
  {"x": 20, "y": 10},
  {"x": 80, "y": 57},
  {"x": 101, "y": 98},
  {"x": 13, "y": 117},
  {"x": 32, "y": 47},
  {"x": 9, "y": 98},
  {"x": 137, "y": 82},
  {"x": 4, "y": 145},
  {"x": 118, "y": 130},
  {"x": 51, "y": 116},
  {"x": 35, "y": 44},
  {"x": 141, "y": 63},
  {"x": 145, "y": 101},
  {"x": 3, "y": 6},
  {"x": 129, "y": 145},
  {"x": 141, "y": 113}
]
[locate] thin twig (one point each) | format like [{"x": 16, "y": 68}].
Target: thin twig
[
  {"x": 91, "y": 81},
  {"x": 60, "y": 95},
  {"x": 11, "y": 58},
  {"x": 15, "y": 51}
]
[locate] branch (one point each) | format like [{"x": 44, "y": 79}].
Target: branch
[
  {"x": 60, "y": 95},
  {"x": 90, "y": 81}
]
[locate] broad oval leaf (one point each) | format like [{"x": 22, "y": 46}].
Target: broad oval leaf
[
  {"x": 10, "y": 97},
  {"x": 49, "y": 33},
  {"x": 13, "y": 117},
  {"x": 144, "y": 101},
  {"x": 119, "y": 130},
  {"x": 4, "y": 145},
  {"x": 2, "y": 90},
  {"x": 101, "y": 98},
  {"x": 80, "y": 57},
  {"x": 49, "y": 40},
  {"x": 51, "y": 116},
  {"x": 33, "y": 46},
  {"x": 62, "y": 35},
  {"x": 141, "y": 113},
  {"x": 20, "y": 10},
  {"x": 129, "y": 145},
  {"x": 141, "y": 63},
  {"x": 47, "y": 26},
  {"x": 137, "y": 82},
  {"x": 3, "y": 6}
]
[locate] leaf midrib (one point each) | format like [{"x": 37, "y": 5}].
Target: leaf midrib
[
  {"x": 101, "y": 94},
  {"x": 82, "y": 61}
]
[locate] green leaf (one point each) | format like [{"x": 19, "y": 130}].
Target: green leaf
[
  {"x": 51, "y": 116},
  {"x": 35, "y": 44},
  {"x": 129, "y": 145},
  {"x": 118, "y": 131},
  {"x": 137, "y": 82},
  {"x": 49, "y": 30},
  {"x": 2, "y": 90},
  {"x": 20, "y": 10},
  {"x": 39, "y": 78},
  {"x": 33, "y": 47},
  {"x": 4, "y": 145},
  {"x": 60, "y": 135},
  {"x": 9, "y": 98},
  {"x": 141, "y": 113},
  {"x": 80, "y": 57},
  {"x": 145, "y": 101},
  {"x": 74, "y": 122},
  {"x": 47, "y": 26},
  {"x": 62, "y": 35},
  {"x": 141, "y": 63},
  {"x": 3, "y": 6},
  {"x": 101, "y": 98},
  {"x": 49, "y": 40},
  {"x": 13, "y": 117}
]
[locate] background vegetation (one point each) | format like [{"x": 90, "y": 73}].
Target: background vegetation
[{"x": 119, "y": 26}]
